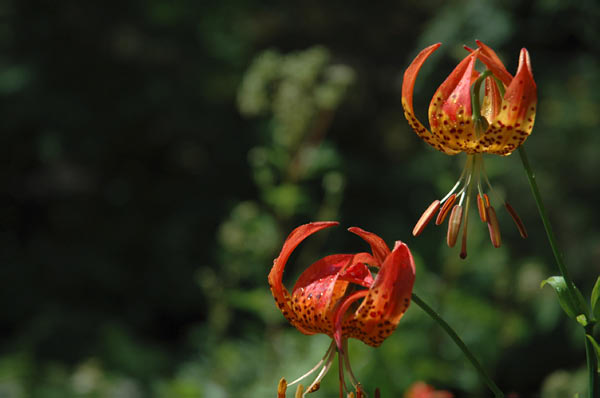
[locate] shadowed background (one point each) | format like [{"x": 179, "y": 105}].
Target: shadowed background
[{"x": 156, "y": 154}]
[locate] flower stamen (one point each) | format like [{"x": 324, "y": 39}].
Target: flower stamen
[
  {"x": 315, "y": 384},
  {"x": 445, "y": 209},
  {"x": 281, "y": 388},
  {"x": 454, "y": 225},
  {"x": 493, "y": 227},
  {"x": 425, "y": 218},
  {"x": 481, "y": 205},
  {"x": 517, "y": 220},
  {"x": 353, "y": 379},
  {"x": 327, "y": 357}
]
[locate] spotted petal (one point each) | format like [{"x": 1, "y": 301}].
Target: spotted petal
[
  {"x": 493, "y": 63},
  {"x": 321, "y": 286},
  {"x": 378, "y": 246},
  {"x": 386, "y": 301},
  {"x": 280, "y": 293},
  {"x": 515, "y": 121},
  {"x": 450, "y": 115},
  {"x": 408, "y": 85}
]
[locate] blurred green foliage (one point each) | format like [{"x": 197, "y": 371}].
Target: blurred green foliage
[{"x": 155, "y": 155}]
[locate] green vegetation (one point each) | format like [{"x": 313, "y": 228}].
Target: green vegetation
[{"x": 156, "y": 154}]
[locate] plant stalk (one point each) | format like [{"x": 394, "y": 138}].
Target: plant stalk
[
  {"x": 458, "y": 341},
  {"x": 592, "y": 361},
  {"x": 592, "y": 364},
  {"x": 546, "y": 221}
]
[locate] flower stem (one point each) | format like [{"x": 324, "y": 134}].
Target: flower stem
[
  {"x": 592, "y": 361},
  {"x": 592, "y": 364},
  {"x": 458, "y": 341},
  {"x": 547, "y": 226}
]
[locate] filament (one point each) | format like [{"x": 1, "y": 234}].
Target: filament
[{"x": 330, "y": 350}]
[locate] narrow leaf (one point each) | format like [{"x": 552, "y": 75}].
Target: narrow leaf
[
  {"x": 567, "y": 302},
  {"x": 595, "y": 299}
]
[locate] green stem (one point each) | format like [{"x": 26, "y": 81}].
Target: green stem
[
  {"x": 547, "y": 226},
  {"x": 592, "y": 364},
  {"x": 458, "y": 341}
]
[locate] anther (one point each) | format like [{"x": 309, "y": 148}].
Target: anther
[
  {"x": 481, "y": 205},
  {"x": 517, "y": 220},
  {"x": 426, "y": 217},
  {"x": 359, "y": 392},
  {"x": 377, "y": 393},
  {"x": 314, "y": 388},
  {"x": 493, "y": 227},
  {"x": 445, "y": 209},
  {"x": 281, "y": 388},
  {"x": 299, "y": 391},
  {"x": 454, "y": 225}
]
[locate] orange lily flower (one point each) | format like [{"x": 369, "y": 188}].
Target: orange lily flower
[
  {"x": 325, "y": 299},
  {"x": 420, "y": 389},
  {"x": 462, "y": 121}
]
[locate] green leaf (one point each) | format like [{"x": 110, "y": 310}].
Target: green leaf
[
  {"x": 567, "y": 302},
  {"x": 595, "y": 299}
]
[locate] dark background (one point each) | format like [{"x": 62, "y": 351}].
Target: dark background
[{"x": 142, "y": 203}]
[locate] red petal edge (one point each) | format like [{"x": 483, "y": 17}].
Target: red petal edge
[
  {"x": 275, "y": 277},
  {"x": 378, "y": 246}
]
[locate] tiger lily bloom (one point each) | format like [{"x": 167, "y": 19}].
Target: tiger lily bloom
[
  {"x": 462, "y": 121},
  {"x": 424, "y": 390},
  {"x": 325, "y": 299}
]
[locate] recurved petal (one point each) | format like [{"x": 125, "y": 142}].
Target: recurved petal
[
  {"x": 387, "y": 300},
  {"x": 450, "y": 109},
  {"x": 493, "y": 63},
  {"x": 378, "y": 246},
  {"x": 410, "y": 75},
  {"x": 408, "y": 85},
  {"x": 515, "y": 121},
  {"x": 280, "y": 293}
]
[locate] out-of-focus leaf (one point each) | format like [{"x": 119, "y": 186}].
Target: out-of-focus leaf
[
  {"x": 567, "y": 302},
  {"x": 595, "y": 298}
]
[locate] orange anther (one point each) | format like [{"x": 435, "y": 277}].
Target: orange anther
[
  {"x": 299, "y": 391},
  {"x": 281, "y": 388},
  {"x": 314, "y": 388},
  {"x": 426, "y": 217},
  {"x": 454, "y": 225},
  {"x": 493, "y": 227},
  {"x": 481, "y": 207},
  {"x": 445, "y": 209},
  {"x": 517, "y": 220}
]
